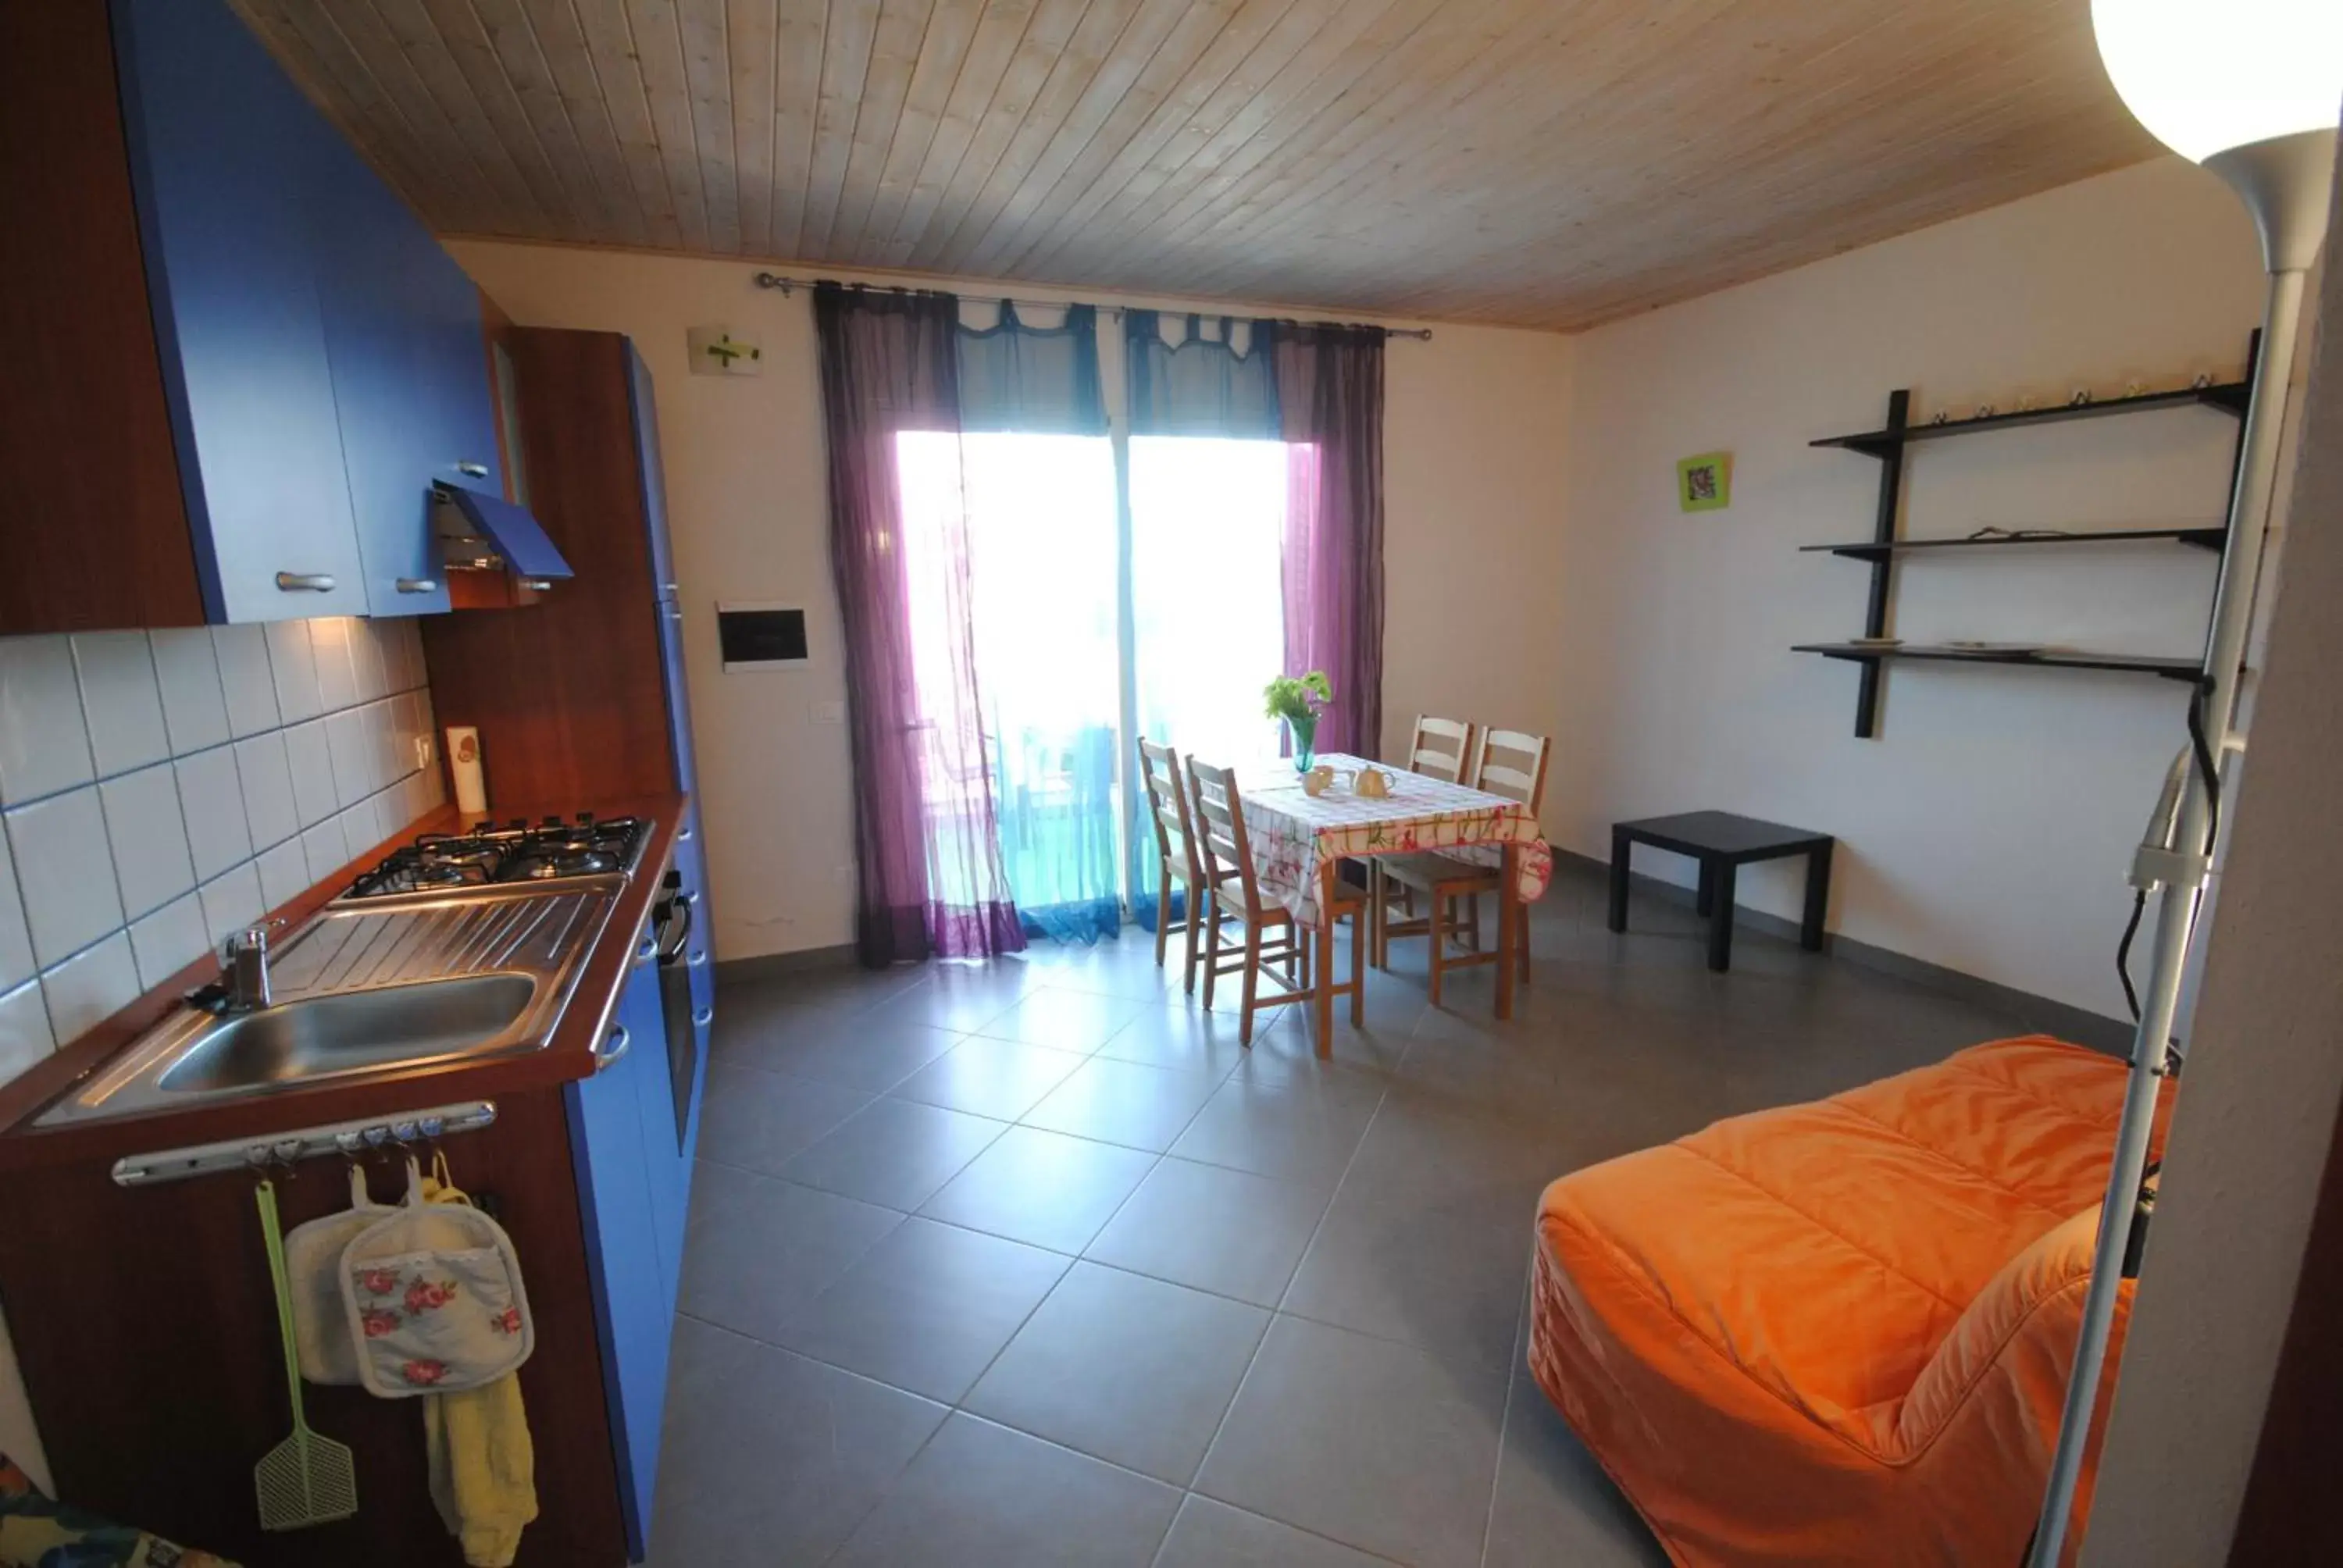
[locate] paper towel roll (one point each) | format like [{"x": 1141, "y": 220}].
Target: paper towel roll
[{"x": 464, "y": 762}]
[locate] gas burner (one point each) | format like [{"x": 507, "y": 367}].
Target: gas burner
[{"x": 516, "y": 852}]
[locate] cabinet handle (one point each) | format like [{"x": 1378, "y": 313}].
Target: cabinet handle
[
  {"x": 675, "y": 613},
  {"x": 702, "y": 1019},
  {"x": 686, "y": 832},
  {"x": 306, "y": 582},
  {"x": 418, "y": 585},
  {"x": 537, "y": 585},
  {"x": 701, "y": 957},
  {"x": 473, "y": 470},
  {"x": 612, "y": 1049},
  {"x": 648, "y": 952}
]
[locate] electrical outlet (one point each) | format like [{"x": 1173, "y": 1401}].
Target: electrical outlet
[
  {"x": 423, "y": 751},
  {"x": 830, "y": 713}
]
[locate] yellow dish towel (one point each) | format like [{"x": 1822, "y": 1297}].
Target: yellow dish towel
[
  {"x": 483, "y": 1464},
  {"x": 483, "y": 1468}
]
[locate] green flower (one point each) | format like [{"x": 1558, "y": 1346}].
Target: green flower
[{"x": 1298, "y": 696}]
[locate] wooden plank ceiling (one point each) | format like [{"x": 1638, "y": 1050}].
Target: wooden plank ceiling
[{"x": 1546, "y": 163}]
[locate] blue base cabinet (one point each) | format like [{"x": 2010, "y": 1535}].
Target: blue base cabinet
[{"x": 633, "y": 1254}]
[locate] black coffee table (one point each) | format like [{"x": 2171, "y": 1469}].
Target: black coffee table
[{"x": 1723, "y": 843}]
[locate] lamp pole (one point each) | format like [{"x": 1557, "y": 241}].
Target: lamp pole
[{"x": 2284, "y": 181}]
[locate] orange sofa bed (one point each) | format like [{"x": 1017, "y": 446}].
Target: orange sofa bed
[{"x": 1838, "y": 1333}]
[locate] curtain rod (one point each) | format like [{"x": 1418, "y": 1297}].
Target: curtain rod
[{"x": 775, "y": 280}]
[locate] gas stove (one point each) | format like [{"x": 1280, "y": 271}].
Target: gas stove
[{"x": 516, "y": 852}]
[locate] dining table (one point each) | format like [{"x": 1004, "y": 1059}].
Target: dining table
[{"x": 1299, "y": 842}]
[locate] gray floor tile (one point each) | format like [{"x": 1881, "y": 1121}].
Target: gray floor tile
[
  {"x": 1371, "y": 1443},
  {"x": 1042, "y": 1188},
  {"x": 982, "y": 1496},
  {"x": 1208, "y": 1534},
  {"x": 1554, "y": 1503},
  {"x": 757, "y": 1249},
  {"x": 1065, "y": 1019},
  {"x": 1131, "y": 1370},
  {"x": 1302, "y": 1130},
  {"x": 1188, "y": 1038},
  {"x": 869, "y": 1052},
  {"x": 1001, "y": 1079},
  {"x": 769, "y": 1458},
  {"x": 894, "y": 1152},
  {"x": 1124, "y": 1102},
  {"x": 955, "y": 998},
  {"x": 926, "y": 1309},
  {"x": 758, "y": 1120},
  {"x": 1227, "y": 1231}
]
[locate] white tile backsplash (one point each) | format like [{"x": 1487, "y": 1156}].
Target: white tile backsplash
[
  {"x": 16, "y": 942},
  {"x": 171, "y": 938},
  {"x": 195, "y": 707},
  {"x": 43, "y": 743},
  {"x": 232, "y": 903},
  {"x": 148, "y": 839},
  {"x": 24, "y": 1030},
  {"x": 212, "y": 800},
  {"x": 293, "y": 665},
  {"x": 90, "y": 987},
  {"x": 313, "y": 771},
  {"x": 246, "y": 680},
  {"x": 137, "y": 835},
  {"x": 120, "y": 699},
  {"x": 65, "y": 872},
  {"x": 285, "y": 869},
  {"x": 267, "y": 780}
]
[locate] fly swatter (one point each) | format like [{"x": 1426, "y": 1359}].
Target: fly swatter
[{"x": 306, "y": 1479}]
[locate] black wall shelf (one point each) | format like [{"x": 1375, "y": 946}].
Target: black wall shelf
[
  {"x": 2210, "y": 537},
  {"x": 2229, "y": 397},
  {"x": 2187, "y": 669},
  {"x": 1890, "y": 443}
]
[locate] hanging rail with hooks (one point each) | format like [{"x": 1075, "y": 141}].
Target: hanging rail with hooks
[
  {"x": 350, "y": 1140},
  {"x": 789, "y": 284}
]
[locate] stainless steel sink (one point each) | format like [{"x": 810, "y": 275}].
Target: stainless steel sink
[
  {"x": 351, "y": 1031},
  {"x": 372, "y": 987}
]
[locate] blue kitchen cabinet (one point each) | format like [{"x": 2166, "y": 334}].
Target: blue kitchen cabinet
[
  {"x": 224, "y": 164},
  {"x": 632, "y": 1258},
  {"x": 409, "y": 365}
]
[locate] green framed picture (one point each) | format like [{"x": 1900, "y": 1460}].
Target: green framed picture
[{"x": 1704, "y": 484}]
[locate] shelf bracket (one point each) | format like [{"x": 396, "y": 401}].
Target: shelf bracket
[{"x": 1883, "y": 565}]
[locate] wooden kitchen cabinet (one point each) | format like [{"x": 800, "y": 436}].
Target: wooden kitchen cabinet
[
  {"x": 232, "y": 362},
  {"x": 145, "y": 1325}
]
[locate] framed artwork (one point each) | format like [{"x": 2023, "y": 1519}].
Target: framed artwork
[{"x": 1704, "y": 484}]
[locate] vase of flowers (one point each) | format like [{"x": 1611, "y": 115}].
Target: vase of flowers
[{"x": 1299, "y": 700}]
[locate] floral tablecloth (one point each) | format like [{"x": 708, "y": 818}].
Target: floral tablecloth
[{"x": 1293, "y": 832}]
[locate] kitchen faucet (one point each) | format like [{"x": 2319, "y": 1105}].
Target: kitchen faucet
[{"x": 244, "y": 970}]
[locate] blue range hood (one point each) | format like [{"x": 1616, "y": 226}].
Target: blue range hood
[{"x": 499, "y": 533}]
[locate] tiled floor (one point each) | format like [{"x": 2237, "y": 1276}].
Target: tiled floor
[{"x": 1032, "y": 1263}]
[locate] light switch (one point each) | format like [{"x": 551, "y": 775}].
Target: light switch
[{"x": 830, "y": 713}]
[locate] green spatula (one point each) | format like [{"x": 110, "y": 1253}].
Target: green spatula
[{"x": 306, "y": 1479}]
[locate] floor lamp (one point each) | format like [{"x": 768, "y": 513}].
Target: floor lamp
[{"x": 2251, "y": 89}]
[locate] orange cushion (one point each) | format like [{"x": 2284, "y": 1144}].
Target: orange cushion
[{"x": 1837, "y": 1332}]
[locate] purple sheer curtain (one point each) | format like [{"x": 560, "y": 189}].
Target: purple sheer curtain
[
  {"x": 1329, "y": 394},
  {"x": 927, "y": 844}
]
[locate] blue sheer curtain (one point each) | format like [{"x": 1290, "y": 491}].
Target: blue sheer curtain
[
  {"x": 1039, "y": 472},
  {"x": 1207, "y": 467}
]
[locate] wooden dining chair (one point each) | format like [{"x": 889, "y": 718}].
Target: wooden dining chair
[
  {"x": 1271, "y": 933},
  {"x": 1511, "y": 764},
  {"x": 1441, "y": 748},
  {"x": 1177, "y": 860}
]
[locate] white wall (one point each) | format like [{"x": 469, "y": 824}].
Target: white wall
[
  {"x": 1476, "y": 470},
  {"x": 1987, "y": 828}
]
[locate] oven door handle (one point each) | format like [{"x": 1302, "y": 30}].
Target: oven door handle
[{"x": 679, "y": 905}]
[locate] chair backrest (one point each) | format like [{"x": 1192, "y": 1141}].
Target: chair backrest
[
  {"x": 1440, "y": 749},
  {"x": 1167, "y": 805},
  {"x": 1512, "y": 764},
  {"x": 1218, "y": 818}
]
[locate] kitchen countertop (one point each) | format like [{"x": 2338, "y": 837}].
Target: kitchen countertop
[{"x": 567, "y": 1056}]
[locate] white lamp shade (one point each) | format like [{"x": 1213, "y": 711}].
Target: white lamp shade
[{"x": 2205, "y": 75}]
